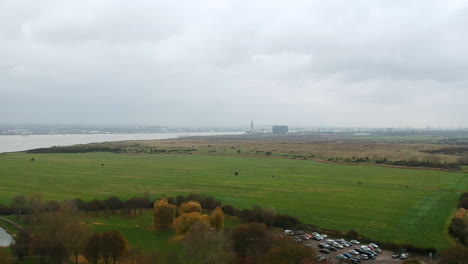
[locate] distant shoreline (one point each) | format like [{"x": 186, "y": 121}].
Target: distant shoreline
[{"x": 18, "y": 143}]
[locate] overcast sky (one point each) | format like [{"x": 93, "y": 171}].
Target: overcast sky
[{"x": 345, "y": 63}]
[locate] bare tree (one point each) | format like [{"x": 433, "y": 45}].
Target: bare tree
[
  {"x": 207, "y": 245},
  {"x": 18, "y": 204},
  {"x": 74, "y": 235}
]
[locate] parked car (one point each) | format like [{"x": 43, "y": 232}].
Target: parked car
[
  {"x": 355, "y": 242},
  {"x": 404, "y": 256},
  {"x": 373, "y": 245},
  {"x": 324, "y": 235},
  {"x": 315, "y": 234},
  {"x": 317, "y": 237},
  {"x": 331, "y": 248},
  {"x": 354, "y": 252},
  {"x": 371, "y": 254},
  {"x": 364, "y": 256},
  {"x": 321, "y": 258},
  {"x": 360, "y": 250},
  {"x": 366, "y": 252},
  {"x": 338, "y": 245},
  {"x": 365, "y": 247},
  {"x": 331, "y": 242},
  {"x": 347, "y": 255},
  {"x": 297, "y": 239},
  {"x": 378, "y": 250},
  {"x": 340, "y": 256},
  {"x": 355, "y": 260},
  {"x": 323, "y": 245},
  {"x": 288, "y": 232},
  {"x": 395, "y": 256},
  {"x": 324, "y": 250}
]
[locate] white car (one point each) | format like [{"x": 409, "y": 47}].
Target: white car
[
  {"x": 404, "y": 256},
  {"x": 355, "y": 242},
  {"x": 373, "y": 245},
  {"x": 330, "y": 242},
  {"x": 365, "y": 248},
  {"x": 324, "y": 235},
  {"x": 288, "y": 232},
  {"x": 337, "y": 245},
  {"x": 317, "y": 237}
]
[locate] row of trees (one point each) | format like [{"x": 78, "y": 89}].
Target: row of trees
[
  {"x": 268, "y": 216},
  {"x": 34, "y": 204},
  {"x": 107, "y": 246},
  {"x": 246, "y": 243},
  {"x": 53, "y": 236},
  {"x": 57, "y": 232},
  {"x": 430, "y": 162},
  {"x": 205, "y": 240}
]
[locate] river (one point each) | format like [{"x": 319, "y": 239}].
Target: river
[
  {"x": 5, "y": 239},
  {"x": 13, "y": 143}
]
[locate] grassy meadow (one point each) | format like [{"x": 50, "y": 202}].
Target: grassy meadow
[{"x": 398, "y": 205}]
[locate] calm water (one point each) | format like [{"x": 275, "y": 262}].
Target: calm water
[
  {"x": 5, "y": 239},
  {"x": 19, "y": 143}
]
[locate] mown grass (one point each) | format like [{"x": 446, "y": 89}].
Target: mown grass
[
  {"x": 398, "y": 205},
  {"x": 139, "y": 232}
]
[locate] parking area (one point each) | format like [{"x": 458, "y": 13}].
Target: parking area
[{"x": 343, "y": 247}]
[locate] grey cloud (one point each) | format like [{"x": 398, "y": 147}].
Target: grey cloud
[{"x": 372, "y": 63}]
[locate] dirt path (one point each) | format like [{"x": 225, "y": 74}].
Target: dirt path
[{"x": 14, "y": 224}]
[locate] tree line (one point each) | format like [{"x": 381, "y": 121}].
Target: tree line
[
  {"x": 198, "y": 220},
  {"x": 59, "y": 235}
]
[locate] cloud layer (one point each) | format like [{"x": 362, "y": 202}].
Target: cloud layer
[{"x": 349, "y": 63}]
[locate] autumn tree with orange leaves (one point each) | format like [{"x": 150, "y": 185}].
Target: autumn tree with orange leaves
[
  {"x": 184, "y": 222},
  {"x": 189, "y": 207},
  {"x": 163, "y": 213},
  {"x": 217, "y": 219}
]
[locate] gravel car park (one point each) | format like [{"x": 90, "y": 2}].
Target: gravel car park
[{"x": 353, "y": 252}]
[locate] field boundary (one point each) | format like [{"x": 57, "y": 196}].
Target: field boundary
[{"x": 312, "y": 159}]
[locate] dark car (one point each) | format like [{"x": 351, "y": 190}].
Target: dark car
[
  {"x": 323, "y": 245},
  {"x": 324, "y": 250},
  {"x": 360, "y": 250},
  {"x": 371, "y": 254},
  {"x": 366, "y": 252},
  {"x": 331, "y": 248},
  {"x": 355, "y": 260}
]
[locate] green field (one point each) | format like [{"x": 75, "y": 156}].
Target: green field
[{"x": 398, "y": 205}]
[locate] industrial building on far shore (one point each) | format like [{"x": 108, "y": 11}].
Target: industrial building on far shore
[{"x": 280, "y": 129}]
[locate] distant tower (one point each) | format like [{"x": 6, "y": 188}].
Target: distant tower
[{"x": 252, "y": 127}]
